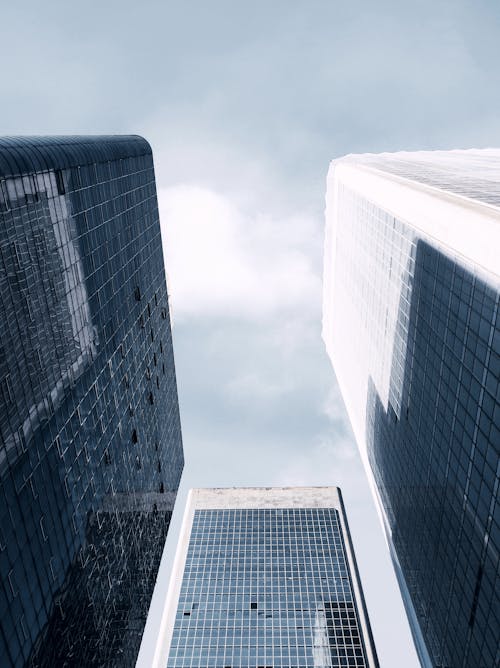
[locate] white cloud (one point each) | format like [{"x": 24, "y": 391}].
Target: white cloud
[
  {"x": 331, "y": 460},
  {"x": 333, "y": 405},
  {"x": 222, "y": 262},
  {"x": 256, "y": 384}
]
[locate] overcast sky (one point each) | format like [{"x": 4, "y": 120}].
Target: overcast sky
[{"x": 245, "y": 104}]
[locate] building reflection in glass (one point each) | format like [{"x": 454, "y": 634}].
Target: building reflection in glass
[{"x": 91, "y": 450}]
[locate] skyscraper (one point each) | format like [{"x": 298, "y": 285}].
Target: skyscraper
[
  {"x": 90, "y": 440},
  {"x": 266, "y": 577},
  {"x": 411, "y": 323}
]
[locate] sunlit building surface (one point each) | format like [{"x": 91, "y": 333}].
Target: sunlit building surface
[
  {"x": 266, "y": 577},
  {"x": 411, "y": 323},
  {"x": 90, "y": 441}
]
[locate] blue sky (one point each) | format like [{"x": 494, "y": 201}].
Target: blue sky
[{"x": 245, "y": 104}]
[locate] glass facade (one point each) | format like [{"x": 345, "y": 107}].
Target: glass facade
[
  {"x": 413, "y": 330},
  {"x": 90, "y": 441},
  {"x": 268, "y": 587}
]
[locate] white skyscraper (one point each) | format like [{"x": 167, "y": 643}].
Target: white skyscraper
[
  {"x": 410, "y": 322},
  {"x": 266, "y": 577}
]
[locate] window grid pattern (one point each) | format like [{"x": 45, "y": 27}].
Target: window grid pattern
[
  {"x": 471, "y": 173},
  {"x": 266, "y": 588},
  {"x": 90, "y": 450},
  {"x": 432, "y": 418}
]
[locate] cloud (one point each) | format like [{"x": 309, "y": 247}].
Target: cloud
[
  {"x": 222, "y": 262},
  {"x": 332, "y": 460},
  {"x": 332, "y": 457},
  {"x": 255, "y": 384},
  {"x": 333, "y": 405}
]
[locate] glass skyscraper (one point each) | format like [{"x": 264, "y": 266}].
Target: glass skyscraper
[
  {"x": 90, "y": 440},
  {"x": 266, "y": 577},
  {"x": 411, "y": 322}
]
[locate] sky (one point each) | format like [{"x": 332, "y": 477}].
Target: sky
[{"x": 244, "y": 105}]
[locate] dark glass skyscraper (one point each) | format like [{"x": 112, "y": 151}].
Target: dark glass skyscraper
[
  {"x": 266, "y": 577},
  {"x": 412, "y": 324},
  {"x": 90, "y": 440}
]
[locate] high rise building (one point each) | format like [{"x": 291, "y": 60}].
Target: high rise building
[
  {"x": 266, "y": 577},
  {"x": 411, "y": 323},
  {"x": 90, "y": 440}
]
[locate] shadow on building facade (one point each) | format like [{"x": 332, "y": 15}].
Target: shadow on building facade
[{"x": 434, "y": 455}]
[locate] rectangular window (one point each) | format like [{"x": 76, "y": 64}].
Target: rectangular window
[
  {"x": 4, "y": 197},
  {"x": 60, "y": 182},
  {"x": 7, "y": 389}
]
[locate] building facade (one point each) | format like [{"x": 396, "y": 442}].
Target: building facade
[
  {"x": 265, "y": 577},
  {"x": 90, "y": 441},
  {"x": 411, "y": 323}
]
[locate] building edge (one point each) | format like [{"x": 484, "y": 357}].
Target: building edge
[
  {"x": 164, "y": 639},
  {"x": 365, "y": 619},
  {"x": 195, "y": 496},
  {"x": 383, "y": 189}
]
